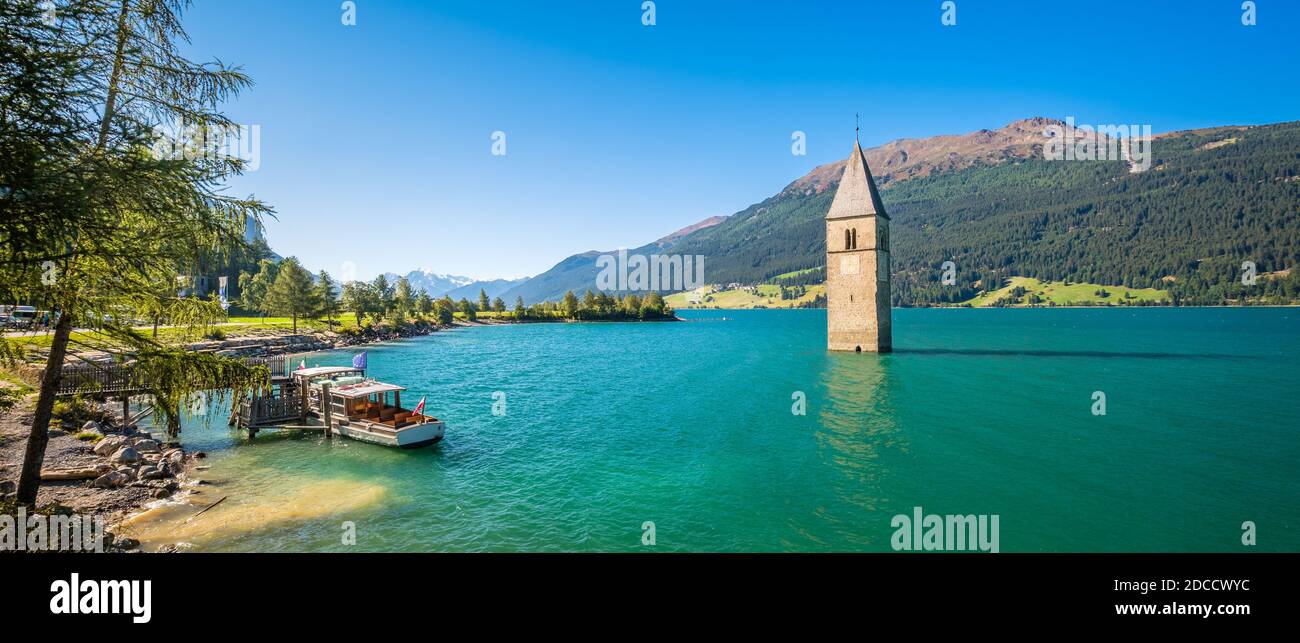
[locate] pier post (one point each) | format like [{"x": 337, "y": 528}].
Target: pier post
[
  {"x": 302, "y": 384},
  {"x": 327, "y": 409}
]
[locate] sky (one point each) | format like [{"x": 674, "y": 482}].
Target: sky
[{"x": 376, "y": 139}]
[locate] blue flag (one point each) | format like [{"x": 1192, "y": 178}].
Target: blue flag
[{"x": 359, "y": 361}]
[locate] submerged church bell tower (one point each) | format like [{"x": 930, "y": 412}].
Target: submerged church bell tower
[{"x": 857, "y": 263}]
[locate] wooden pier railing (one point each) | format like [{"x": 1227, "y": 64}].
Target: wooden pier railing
[
  {"x": 269, "y": 410},
  {"x": 122, "y": 378}
]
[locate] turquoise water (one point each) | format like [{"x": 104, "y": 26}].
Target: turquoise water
[{"x": 690, "y": 426}]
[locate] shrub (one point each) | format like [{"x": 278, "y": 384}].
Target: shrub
[
  {"x": 73, "y": 410},
  {"x": 8, "y": 398}
]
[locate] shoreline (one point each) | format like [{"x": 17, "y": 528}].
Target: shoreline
[
  {"x": 93, "y": 477},
  {"x": 106, "y": 468}
]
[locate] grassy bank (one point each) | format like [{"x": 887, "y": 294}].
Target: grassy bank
[
  {"x": 1027, "y": 291},
  {"x": 1018, "y": 292},
  {"x": 760, "y": 296}
]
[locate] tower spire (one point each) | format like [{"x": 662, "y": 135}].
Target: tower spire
[
  {"x": 857, "y": 263},
  {"x": 857, "y": 128}
]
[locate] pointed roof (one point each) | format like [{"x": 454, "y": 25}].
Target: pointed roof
[{"x": 857, "y": 194}]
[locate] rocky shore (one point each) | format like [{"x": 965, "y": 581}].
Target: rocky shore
[{"x": 102, "y": 468}]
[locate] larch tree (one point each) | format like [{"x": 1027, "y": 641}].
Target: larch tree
[
  {"x": 91, "y": 186},
  {"x": 328, "y": 297},
  {"x": 293, "y": 293}
]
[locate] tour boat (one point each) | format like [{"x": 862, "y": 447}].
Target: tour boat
[{"x": 365, "y": 409}]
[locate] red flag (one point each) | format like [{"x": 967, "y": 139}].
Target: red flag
[
  {"x": 419, "y": 408},
  {"x": 302, "y": 366}
]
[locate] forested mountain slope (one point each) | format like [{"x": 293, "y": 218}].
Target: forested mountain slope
[{"x": 1211, "y": 200}]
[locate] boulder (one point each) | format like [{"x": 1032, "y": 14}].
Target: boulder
[
  {"x": 92, "y": 425},
  {"x": 111, "y": 480},
  {"x": 108, "y": 446},
  {"x": 7, "y": 487},
  {"x": 176, "y": 459},
  {"x": 126, "y": 455},
  {"x": 147, "y": 446},
  {"x": 162, "y": 493}
]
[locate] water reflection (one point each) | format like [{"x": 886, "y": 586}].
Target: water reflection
[{"x": 857, "y": 424}]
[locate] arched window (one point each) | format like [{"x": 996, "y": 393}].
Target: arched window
[
  {"x": 848, "y": 240},
  {"x": 855, "y": 238}
]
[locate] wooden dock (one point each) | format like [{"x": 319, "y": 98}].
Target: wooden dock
[{"x": 122, "y": 378}]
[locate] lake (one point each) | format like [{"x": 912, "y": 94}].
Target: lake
[{"x": 694, "y": 427}]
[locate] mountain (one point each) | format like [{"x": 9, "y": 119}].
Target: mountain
[
  {"x": 454, "y": 286},
  {"x": 493, "y": 287},
  {"x": 578, "y": 272},
  {"x": 993, "y": 205},
  {"x": 676, "y": 236},
  {"x": 912, "y": 158},
  {"x": 989, "y": 202},
  {"x": 435, "y": 284},
  {"x": 777, "y": 227}
]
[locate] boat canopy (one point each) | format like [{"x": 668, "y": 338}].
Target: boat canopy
[
  {"x": 365, "y": 389},
  {"x": 316, "y": 371}
]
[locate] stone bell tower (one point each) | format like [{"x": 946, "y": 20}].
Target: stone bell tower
[{"x": 857, "y": 264}]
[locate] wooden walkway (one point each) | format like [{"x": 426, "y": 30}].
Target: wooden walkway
[{"x": 122, "y": 378}]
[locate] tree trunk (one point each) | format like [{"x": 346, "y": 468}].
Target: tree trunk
[
  {"x": 295, "y": 323},
  {"x": 29, "y": 481}
]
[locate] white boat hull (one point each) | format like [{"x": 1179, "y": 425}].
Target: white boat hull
[{"x": 409, "y": 437}]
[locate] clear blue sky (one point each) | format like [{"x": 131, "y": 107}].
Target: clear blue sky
[{"x": 376, "y": 138}]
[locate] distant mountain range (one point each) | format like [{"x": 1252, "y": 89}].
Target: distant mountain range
[
  {"x": 989, "y": 202},
  {"x": 578, "y": 272},
  {"x": 763, "y": 226},
  {"x": 454, "y": 286}
]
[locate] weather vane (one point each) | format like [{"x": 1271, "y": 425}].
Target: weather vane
[{"x": 857, "y": 129}]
